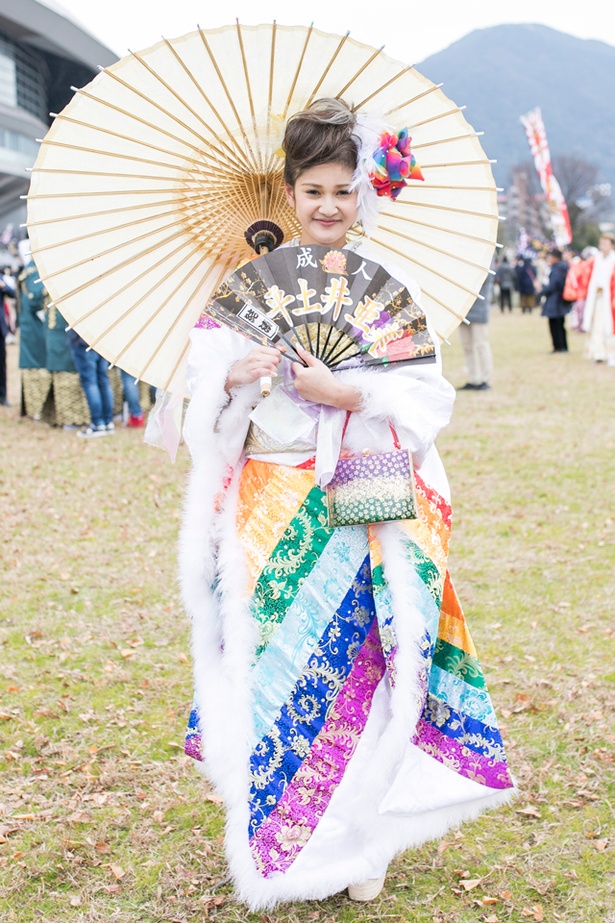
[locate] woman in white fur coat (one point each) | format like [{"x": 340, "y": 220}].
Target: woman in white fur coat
[{"x": 340, "y": 710}]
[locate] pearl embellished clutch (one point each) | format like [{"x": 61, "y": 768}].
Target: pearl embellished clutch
[{"x": 372, "y": 488}]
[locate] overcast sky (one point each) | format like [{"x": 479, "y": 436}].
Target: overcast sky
[{"x": 429, "y": 26}]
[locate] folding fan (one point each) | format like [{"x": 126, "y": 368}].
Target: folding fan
[{"x": 340, "y": 307}]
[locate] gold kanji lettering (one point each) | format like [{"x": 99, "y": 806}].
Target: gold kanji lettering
[
  {"x": 277, "y": 299},
  {"x": 336, "y": 296},
  {"x": 304, "y": 298},
  {"x": 382, "y": 337},
  {"x": 365, "y": 313}
]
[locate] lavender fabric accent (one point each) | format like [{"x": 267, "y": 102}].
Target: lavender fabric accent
[{"x": 288, "y": 828}]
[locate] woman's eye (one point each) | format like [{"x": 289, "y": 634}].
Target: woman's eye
[{"x": 344, "y": 192}]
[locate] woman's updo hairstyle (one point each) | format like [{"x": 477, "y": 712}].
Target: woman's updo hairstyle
[{"x": 322, "y": 133}]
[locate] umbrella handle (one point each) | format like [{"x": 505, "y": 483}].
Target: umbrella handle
[{"x": 264, "y": 236}]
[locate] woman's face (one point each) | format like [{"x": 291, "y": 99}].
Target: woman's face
[
  {"x": 605, "y": 245},
  {"x": 324, "y": 207}
]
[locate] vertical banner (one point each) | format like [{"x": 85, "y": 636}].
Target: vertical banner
[{"x": 537, "y": 139}]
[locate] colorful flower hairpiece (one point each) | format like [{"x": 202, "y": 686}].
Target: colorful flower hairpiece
[
  {"x": 385, "y": 164},
  {"x": 394, "y": 164}
]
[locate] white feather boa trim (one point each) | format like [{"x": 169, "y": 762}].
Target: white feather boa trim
[
  {"x": 224, "y": 640},
  {"x": 213, "y": 577}
]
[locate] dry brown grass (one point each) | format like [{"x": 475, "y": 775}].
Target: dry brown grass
[{"x": 103, "y": 818}]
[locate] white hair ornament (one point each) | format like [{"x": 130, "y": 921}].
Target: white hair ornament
[
  {"x": 384, "y": 166},
  {"x": 367, "y": 131}
]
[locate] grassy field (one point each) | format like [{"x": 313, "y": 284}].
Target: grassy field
[{"x": 102, "y": 818}]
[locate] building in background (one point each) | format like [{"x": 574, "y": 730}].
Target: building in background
[
  {"x": 525, "y": 210},
  {"x": 43, "y": 52}
]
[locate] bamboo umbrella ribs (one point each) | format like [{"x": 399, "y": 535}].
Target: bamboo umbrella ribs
[{"x": 161, "y": 175}]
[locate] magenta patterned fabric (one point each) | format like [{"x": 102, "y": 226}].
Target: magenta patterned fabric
[{"x": 288, "y": 828}]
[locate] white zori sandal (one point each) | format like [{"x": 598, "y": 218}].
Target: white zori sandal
[{"x": 366, "y": 890}]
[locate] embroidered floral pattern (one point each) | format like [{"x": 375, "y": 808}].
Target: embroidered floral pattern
[
  {"x": 461, "y": 759},
  {"x": 303, "y": 803},
  {"x": 291, "y": 561},
  {"x": 274, "y": 760},
  {"x": 327, "y": 635},
  {"x": 192, "y": 744}
]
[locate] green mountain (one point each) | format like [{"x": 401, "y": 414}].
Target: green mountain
[{"x": 502, "y": 72}]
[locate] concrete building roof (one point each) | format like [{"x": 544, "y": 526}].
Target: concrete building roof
[
  {"x": 71, "y": 55},
  {"x": 46, "y": 27}
]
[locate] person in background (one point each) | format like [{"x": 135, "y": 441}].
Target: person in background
[
  {"x": 9, "y": 284},
  {"x": 35, "y": 379},
  {"x": 577, "y": 282},
  {"x": 554, "y": 307},
  {"x": 4, "y": 332},
  {"x": 577, "y": 269},
  {"x": 130, "y": 385},
  {"x": 475, "y": 340},
  {"x": 504, "y": 276},
  {"x": 68, "y": 407},
  {"x": 598, "y": 290},
  {"x": 525, "y": 281},
  {"x": 541, "y": 267},
  {"x": 94, "y": 375}
]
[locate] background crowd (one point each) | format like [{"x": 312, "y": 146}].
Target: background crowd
[
  {"x": 62, "y": 381},
  {"x": 579, "y": 287}
]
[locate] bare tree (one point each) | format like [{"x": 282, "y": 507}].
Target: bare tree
[
  {"x": 575, "y": 176},
  {"x": 578, "y": 181},
  {"x": 531, "y": 212},
  {"x": 586, "y": 201}
]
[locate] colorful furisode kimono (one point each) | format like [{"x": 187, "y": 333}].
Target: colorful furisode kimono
[{"x": 340, "y": 708}]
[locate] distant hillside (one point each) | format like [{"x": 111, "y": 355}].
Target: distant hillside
[{"x": 501, "y": 73}]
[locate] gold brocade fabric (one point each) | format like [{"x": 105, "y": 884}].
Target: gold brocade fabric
[
  {"x": 115, "y": 380},
  {"x": 258, "y": 442},
  {"x": 35, "y": 385},
  {"x": 70, "y": 405},
  {"x": 145, "y": 396}
]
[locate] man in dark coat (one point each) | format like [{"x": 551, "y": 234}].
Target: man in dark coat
[
  {"x": 553, "y": 306},
  {"x": 525, "y": 278},
  {"x": 505, "y": 278}
]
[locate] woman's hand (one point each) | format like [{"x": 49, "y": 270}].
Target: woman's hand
[
  {"x": 260, "y": 362},
  {"x": 317, "y": 383}
]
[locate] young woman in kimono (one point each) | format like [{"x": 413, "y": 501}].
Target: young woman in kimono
[{"x": 340, "y": 710}]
